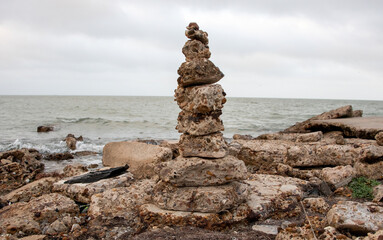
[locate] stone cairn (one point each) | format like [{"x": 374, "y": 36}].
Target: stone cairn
[{"x": 204, "y": 178}]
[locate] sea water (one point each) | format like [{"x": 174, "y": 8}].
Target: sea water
[{"x": 103, "y": 119}]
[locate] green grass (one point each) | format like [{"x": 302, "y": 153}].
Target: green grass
[{"x": 362, "y": 187}]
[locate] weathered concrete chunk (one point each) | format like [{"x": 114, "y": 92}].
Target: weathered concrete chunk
[
  {"x": 198, "y": 72},
  {"x": 195, "y": 49},
  {"x": 82, "y": 192},
  {"x": 210, "y": 146},
  {"x": 27, "y": 217},
  {"x": 140, "y": 157},
  {"x": 208, "y": 199},
  {"x": 338, "y": 176},
  {"x": 321, "y": 155},
  {"x": 198, "y": 124},
  {"x": 202, "y": 172},
  {"x": 200, "y": 99},
  {"x": 356, "y": 217}
]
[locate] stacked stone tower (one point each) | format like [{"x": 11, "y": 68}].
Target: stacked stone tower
[{"x": 204, "y": 177}]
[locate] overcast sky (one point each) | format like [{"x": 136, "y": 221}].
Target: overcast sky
[{"x": 281, "y": 49}]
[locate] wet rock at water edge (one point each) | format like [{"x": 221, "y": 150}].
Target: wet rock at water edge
[{"x": 45, "y": 128}]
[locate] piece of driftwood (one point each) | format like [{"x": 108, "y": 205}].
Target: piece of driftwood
[{"x": 98, "y": 175}]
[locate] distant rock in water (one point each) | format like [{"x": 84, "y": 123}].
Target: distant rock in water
[
  {"x": 71, "y": 141},
  {"x": 59, "y": 156},
  {"x": 45, "y": 128}
]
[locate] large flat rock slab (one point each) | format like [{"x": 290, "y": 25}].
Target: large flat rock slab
[{"x": 360, "y": 127}]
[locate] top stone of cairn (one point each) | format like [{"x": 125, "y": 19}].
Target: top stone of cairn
[{"x": 198, "y": 69}]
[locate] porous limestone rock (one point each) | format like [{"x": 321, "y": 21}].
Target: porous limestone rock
[
  {"x": 374, "y": 236},
  {"x": 330, "y": 233},
  {"x": 18, "y": 167},
  {"x": 118, "y": 207},
  {"x": 270, "y": 193},
  {"x": 379, "y": 138},
  {"x": 338, "y": 176},
  {"x": 318, "y": 205},
  {"x": 140, "y": 157},
  {"x": 209, "y": 146},
  {"x": 198, "y": 124},
  {"x": 195, "y": 49},
  {"x": 268, "y": 229},
  {"x": 198, "y": 72},
  {"x": 202, "y": 172},
  {"x": 356, "y": 217},
  {"x": 33, "y": 189},
  {"x": 209, "y": 199},
  {"x": 369, "y": 170},
  {"x": 35, "y": 237},
  {"x": 200, "y": 99},
  {"x": 378, "y": 193},
  {"x": 321, "y": 155},
  {"x": 310, "y": 137},
  {"x": 153, "y": 215},
  {"x": 302, "y": 127},
  {"x": 27, "y": 217},
  {"x": 82, "y": 192},
  {"x": 193, "y": 32},
  {"x": 74, "y": 169},
  {"x": 261, "y": 154}
]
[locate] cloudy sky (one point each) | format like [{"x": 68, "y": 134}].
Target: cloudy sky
[{"x": 279, "y": 49}]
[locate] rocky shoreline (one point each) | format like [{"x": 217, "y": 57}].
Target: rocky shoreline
[
  {"x": 298, "y": 186},
  {"x": 319, "y": 179}
]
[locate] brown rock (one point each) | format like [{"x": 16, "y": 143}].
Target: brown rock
[
  {"x": 195, "y": 49},
  {"x": 210, "y": 146},
  {"x": 200, "y": 99},
  {"x": 318, "y": 205},
  {"x": 35, "y": 237},
  {"x": 357, "y": 113},
  {"x": 334, "y": 137},
  {"x": 59, "y": 156},
  {"x": 331, "y": 233},
  {"x": 369, "y": 170},
  {"x": 27, "y": 217},
  {"x": 310, "y": 137},
  {"x": 82, "y": 192},
  {"x": 198, "y": 72},
  {"x": 374, "y": 236},
  {"x": 120, "y": 203},
  {"x": 198, "y": 124},
  {"x": 31, "y": 190},
  {"x": 270, "y": 194},
  {"x": 321, "y": 155},
  {"x": 153, "y": 215},
  {"x": 379, "y": 138},
  {"x": 261, "y": 154},
  {"x": 193, "y": 32},
  {"x": 140, "y": 157},
  {"x": 302, "y": 127},
  {"x": 242, "y": 137},
  {"x": 18, "y": 167},
  {"x": 45, "y": 128},
  {"x": 200, "y": 199},
  {"x": 202, "y": 172},
  {"x": 71, "y": 143},
  {"x": 356, "y": 217},
  {"x": 74, "y": 169},
  {"x": 378, "y": 193},
  {"x": 172, "y": 145},
  {"x": 339, "y": 176}
]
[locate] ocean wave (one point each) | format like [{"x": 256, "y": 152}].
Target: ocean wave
[{"x": 52, "y": 146}]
